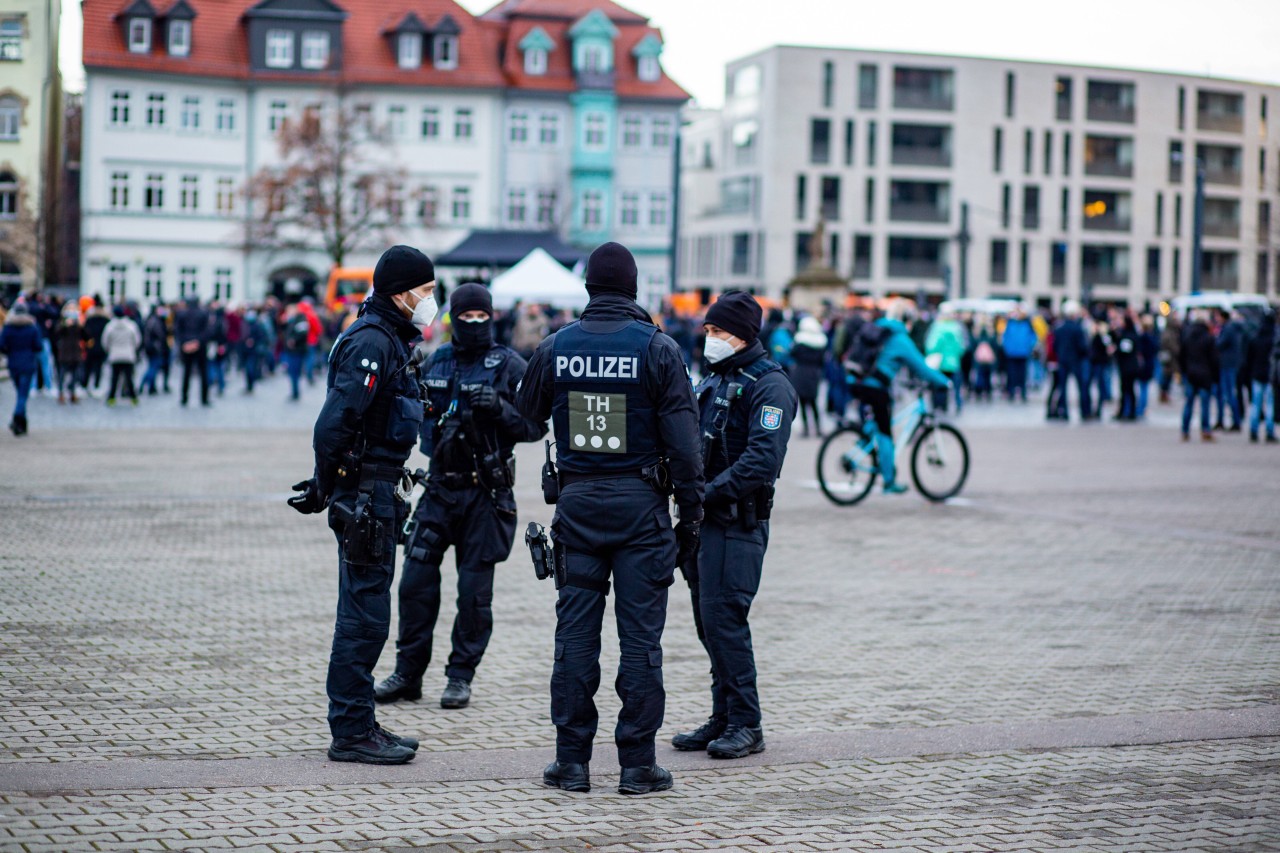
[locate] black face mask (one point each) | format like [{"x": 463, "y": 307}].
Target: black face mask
[{"x": 473, "y": 337}]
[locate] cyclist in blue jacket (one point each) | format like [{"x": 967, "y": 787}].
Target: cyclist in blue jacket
[{"x": 897, "y": 352}]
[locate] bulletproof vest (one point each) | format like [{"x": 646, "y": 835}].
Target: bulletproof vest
[
  {"x": 394, "y": 418},
  {"x": 601, "y": 414},
  {"x": 447, "y": 382},
  {"x": 733, "y": 438}
]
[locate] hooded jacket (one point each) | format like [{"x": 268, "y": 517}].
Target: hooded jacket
[{"x": 20, "y": 342}]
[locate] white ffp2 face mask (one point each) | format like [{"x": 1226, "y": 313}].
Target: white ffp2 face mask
[
  {"x": 717, "y": 349},
  {"x": 424, "y": 313}
]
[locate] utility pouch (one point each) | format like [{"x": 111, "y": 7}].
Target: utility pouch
[
  {"x": 348, "y": 470},
  {"x": 541, "y": 550},
  {"x": 747, "y": 512},
  {"x": 550, "y": 478},
  {"x": 365, "y": 539},
  {"x": 658, "y": 475},
  {"x": 496, "y": 472},
  {"x": 764, "y": 502}
]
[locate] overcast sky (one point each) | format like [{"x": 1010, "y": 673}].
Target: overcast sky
[{"x": 1223, "y": 38}]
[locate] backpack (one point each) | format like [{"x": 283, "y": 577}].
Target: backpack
[
  {"x": 865, "y": 351},
  {"x": 295, "y": 339}
]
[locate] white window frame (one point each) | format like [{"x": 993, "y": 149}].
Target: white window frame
[
  {"x": 409, "y": 50},
  {"x": 153, "y": 191},
  {"x": 139, "y": 35},
  {"x": 592, "y": 209},
  {"x": 629, "y": 209},
  {"x": 648, "y": 69},
  {"x": 464, "y": 129},
  {"x": 460, "y": 207},
  {"x": 659, "y": 210},
  {"x": 117, "y": 282},
  {"x": 660, "y": 134},
  {"x": 155, "y": 109},
  {"x": 179, "y": 38},
  {"x": 517, "y": 201},
  {"x": 225, "y": 198},
  {"x": 547, "y": 201},
  {"x": 188, "y": 282},
  {"x": 430, "y": 120},
  {"x": 190, "y": 119},
  {"x": 535, "y": 61},
  {"x": 396, "y": 121},
  {"x": 10, "y": 121},
  {"x": 222, "y": 283},
  {"x": 518, "y": 127},
  {"x": 277, "y": 115},
  {"x": 632, "y": 131},
  {"x": 429, "y": 204},
  {"x": 119, "y": 115},
  {"x": 153, "y": 283},
  {"x": 593, "y": 58},
  {"x": 444, "y": 52},
  {"x": 549, "y": 125},
  {"x": 314, "y": 53},
  {"x": 226, "y": 116},
  {"x": 278, "y": 49},
  {"x": 593, "y": 125},
  {"x": 189, "y": 192},
  {"x": 118, "y": 191},
  {"x": 9, "y": 198}
]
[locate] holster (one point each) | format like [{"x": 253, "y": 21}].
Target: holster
[
  {"x": 658, "y": 475},
  {"x": 365, "y": 537}
]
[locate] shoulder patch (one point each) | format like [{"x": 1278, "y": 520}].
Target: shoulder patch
[
  {"x": 770, "y": 417},
  {"x": 493, "y": 359}
]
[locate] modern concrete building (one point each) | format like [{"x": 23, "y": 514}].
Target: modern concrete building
[
  {"x": 30, "y": 140},
  {"x": 1065, "y": 180},
  {"x": 509, "y": 120}
]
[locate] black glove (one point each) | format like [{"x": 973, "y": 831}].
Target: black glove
[
  {"x": 687, "y": 533},
  {"x": 484, "y": 398},
  {"x": 312, "y": 500}
]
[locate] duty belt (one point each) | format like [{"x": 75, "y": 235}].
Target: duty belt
[
  {"x": 459, "y": 480},
  {"x": 568, "y": 478},
  {"x": 382, "y": 473}
]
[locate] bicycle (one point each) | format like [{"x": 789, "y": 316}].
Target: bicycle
[{"x": 939, "y": 454}]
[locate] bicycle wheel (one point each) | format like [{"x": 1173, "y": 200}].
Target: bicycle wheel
[
  {"x": 847, "y": 466},
  {"x": 940, "y": 462}
]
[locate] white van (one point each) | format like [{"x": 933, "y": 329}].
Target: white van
[{"x": 1227, "y": 300}]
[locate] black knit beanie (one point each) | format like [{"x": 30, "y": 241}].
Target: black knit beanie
[
  {"x": 612, "y": 269},
  {"x": 470, "y": 297},
  {"x": 402, "y": 268},
  {"x": 737, "y": 313}
]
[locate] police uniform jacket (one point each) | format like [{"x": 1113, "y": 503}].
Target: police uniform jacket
[
  {"x": 748, "y": 453},
  {"x": 373, "y": 397},
  {"x": 661, "y": 386},
  {"x": 447, "y": 378}
]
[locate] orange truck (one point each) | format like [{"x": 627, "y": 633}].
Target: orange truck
[{"x": 347, "y": 288}]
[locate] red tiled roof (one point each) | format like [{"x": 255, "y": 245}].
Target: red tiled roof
[{"x": 488, "y": 52}]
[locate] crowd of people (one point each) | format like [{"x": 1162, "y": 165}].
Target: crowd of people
[{"x": 1223, "y": 360}]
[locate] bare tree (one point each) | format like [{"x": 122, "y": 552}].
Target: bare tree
[
  {"x": 20, "y": 230},
  {"x": 336, "y": 186}
]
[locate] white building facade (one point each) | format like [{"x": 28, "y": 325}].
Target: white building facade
[{"x": 1076, "y": 181}]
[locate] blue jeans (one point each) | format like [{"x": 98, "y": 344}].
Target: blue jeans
[
  {"x": 1228, "y": 395},
  {"x": 46, "y": 365},
  {"x": 1016, "y": 385},
  {"x": 1144, "y": 388},
  {"x": 22, "y": 381},
  {"x": 1192, "y": 394},
  {"x": 293, "y": 361},
  {"x": 1264, "y": 401},
  {"x": 155, "y": 364}
]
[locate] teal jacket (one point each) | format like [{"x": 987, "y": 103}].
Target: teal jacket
[
  {"x": 947, "y": 339},
  {"x": 899, "y": 352}
]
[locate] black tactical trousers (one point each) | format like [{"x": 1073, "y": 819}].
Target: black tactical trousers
[
  {"x": 730, "y": 562},
  {"x": 364, "y": 615},
  {"x": 481, "y": 531},
  {"x": 617, "y": 530}
]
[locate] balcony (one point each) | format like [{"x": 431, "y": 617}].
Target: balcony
[
  {"x": 1107, "y": 222},
  {"x": 917, "y": 156},
  {"x": 1109, "y": 169},
  {"x": 1222, "y": 228},
  {"x": 1222, "y": 122},
  {"x": 1107, "y": 110},
  {"x": 1219, "y": 281},
  {"x": 908, "y": 211},
  {"x": 1104, "y": 275},
  {"x": 1225, "y": 175},
  {"x": 922, "y": 99},
  {"x": 914, "y": 268},
  {"x": 596, "y": 79}
]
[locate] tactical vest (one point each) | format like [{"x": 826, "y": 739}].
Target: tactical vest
[
  {"x": 731, "y": 435},
  {"x": 601, "y": 414},
  {"x": 448, "y": 380},
  {"x": 394, "y": 418}
]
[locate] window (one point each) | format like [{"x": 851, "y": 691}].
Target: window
[
  {"x": 1064, "y": 211},
  {"x": 10, "y": 118},
  {"x": 535, "y": 62},
  {"x": 8, "y": 195},
  {"x": 848, "y": 142},
  {"x": 1058, "y": 263},
  {"x": 119, "y": 194},
  {"x": 593, "y": 129},
  {"x": 648, "y": 69},
  {"x": 629, "y": 209},
  {"x": 153, "y": 194},
  {"x": 516, "y": 206},
  {"x": 189, "y": 193},
  {"x": 179, "y": 38},
  {"x": 409, "y": 50},
  {"x": 139, "y": 35},
  {"x": 11, "y": 36},
  {"x": 592, "y": 59},
  {"x": 999, "y": 261},
  {"x": 741, "y": 259},
  {"x": 462, "y": 123},
  {"x": 1182, "y": 107},
  {"x": 632, "y": 131},
  {"x": 276, "y": 115},
  {"x": 519, "y": 129},
  {"x": 658, "y": 205},
  {"x": 861, "y": 256},
  {"x": 1028, "y": 144},
  {"x": 430, "y": 122},
  {"x": 1010, "y": 88},
  {"x": 190, "y": 119},
  {"x": 871, "y": 143},
  {"x": 1024, "y": 262},
  {"x": 461, "y": 204},
  {"x": 1006, "y": 203},
  {"x": 819, "y": 141},
  {"x": 829, "y": 200},
  {"x": 428, "y": 205},
  {"x": 828, "y": 84},
  {"x": 395, "y": 203},
  {"x": 117, "y": 282},
  {"x": 549, "y": 129},
  {"x": 396, "y": 124},
  {"x": 1177, "y": 267},
  {"x": 224, "y": 198},
  {"x": 997, "y": 150},
  {"x": 225, "y": 120},
  {"x": 1159, "y": 214},
  {"x": 547, "y": 207},
  {"x": 153, "y": 283},
  {"x": 868, "y": 86},
  {"x": 1030, "y": 208},
  {"x": 1175, "y": 162},
  {"x": 592, "y": 209},
  {"x": 1048, "y": 152},
  {"x": 187, "y": 282},
  {"x": 800, "y": 197},
  {"x": 279, "y": 49},
  {"x": 1177, "y": 216},
  {"x": 119, "y": 108},
  {"x": 1062, "y": 99},
  {"x": 446, "y": 52},
  {"x": 155, "y": 109},
  {"x": 222, "y": 283},
  {"x": 869, "y": 201},
  {"x": 1153, "y": 268},
  {"x": 315, "y": 49},
  {"x": 1066, "y": 154},
  {"x": 661, "y": 133}
]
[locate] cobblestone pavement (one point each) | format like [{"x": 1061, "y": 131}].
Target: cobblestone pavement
[{"x": 159, "y": 602}]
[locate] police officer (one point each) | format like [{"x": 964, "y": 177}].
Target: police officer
[
  {"x": 471, "y": 427},
  {"x": 365, "y": 432},
  {"x": 621, "y": 403},
  {"x": 747, "y": 405}
]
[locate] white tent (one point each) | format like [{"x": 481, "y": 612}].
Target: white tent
[{"x": 538, "y": 279}]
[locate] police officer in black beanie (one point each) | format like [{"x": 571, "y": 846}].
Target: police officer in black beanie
[
  {"x": 470, "y": 431},
  {"x": 626, "y": 433},
  {"x": 747, "y": 405},
  {"x": 363, "y": 437}
]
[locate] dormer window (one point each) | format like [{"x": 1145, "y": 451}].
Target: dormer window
[
  {"x": 179, "y": 38},
  {"x": 315, "y": 49},
  {"x": 279, "y": 49},
  {"x": 593, "y": 58},
  {"x": 409, "y": 50},
  {"x": 648, "y": 69},
  {"x": 139, "y": 35},
  {"x": 536, "y": 46},
  {"x": 535, "y": 62},
  {"x": 446, "y": 52},
  {"x": 646, "y": 53}
]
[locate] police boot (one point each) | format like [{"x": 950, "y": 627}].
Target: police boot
[
  {"x": 457, "y": 693},
  {"x": 408, "y": 742},
  {"x": 372, "y": 747},
  {"x": 644, "y": 780},
  {"x": 396, "y": 686},
  {"x": 698, "y": 739},
  {"x": 737, "y": 742},
  {"x": 568, "y": 776}
]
